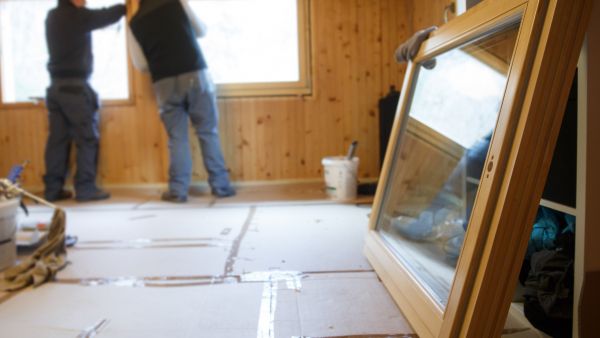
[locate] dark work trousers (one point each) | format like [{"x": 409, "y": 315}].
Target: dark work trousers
[{"x": 73, "y": 116}]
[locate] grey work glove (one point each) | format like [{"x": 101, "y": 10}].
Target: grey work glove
[{"x": 409, "y": 49}]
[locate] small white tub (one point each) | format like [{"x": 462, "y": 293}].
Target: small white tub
[{"x": 341, "y": 177}]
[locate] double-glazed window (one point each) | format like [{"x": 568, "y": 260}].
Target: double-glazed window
[
  {"x": 253, "y": 48},
  {"x": 24, "y": 54},
  {"x": 256, "y": 47}
]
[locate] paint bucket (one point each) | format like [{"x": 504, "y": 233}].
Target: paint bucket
[
  {"x": 341, "y": 177},
  {"x": 8, "y": 231}
]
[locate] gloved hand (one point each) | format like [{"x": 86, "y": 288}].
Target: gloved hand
[{"x": 409, "y": 49}]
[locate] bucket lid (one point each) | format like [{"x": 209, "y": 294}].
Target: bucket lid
[{"x": 338, "y": 160}]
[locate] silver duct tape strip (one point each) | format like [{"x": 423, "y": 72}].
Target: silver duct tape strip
[
  {"x": 93, "y": 330},
  {"x": 292, "y": 279},
  {"x": 268, "y": 305},
  {"x": 158, "y": 240},
  {"x": 134, "y": 282},
  {"x": 152, "y": 246},
  {"x": 144, "y": 243}
]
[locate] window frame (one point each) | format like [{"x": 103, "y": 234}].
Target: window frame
[
  {"x": 302, "y": 87},
  {"x": 509, "y": 192},
  {"x": 40, "y": 101}
]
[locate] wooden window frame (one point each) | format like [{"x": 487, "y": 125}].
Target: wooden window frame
[
  {"x": 301, "y": 87},
  {"x": 130, "y": 101},
  {"x": 550, "y": 35}
]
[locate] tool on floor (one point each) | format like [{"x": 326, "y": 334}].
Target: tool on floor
[
  {"x": 352, "y": 150},
  {"x": 16, "y": 171},
  {"x": 14, "y": 175},
  {"x": 43, "y": 264}
]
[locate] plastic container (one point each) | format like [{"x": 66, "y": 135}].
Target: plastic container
[
  {"x": 341, "y": 177},
  {"x": 8, "y": 230}
]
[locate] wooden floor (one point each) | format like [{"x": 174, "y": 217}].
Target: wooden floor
[{"x": 274, "y": 261}]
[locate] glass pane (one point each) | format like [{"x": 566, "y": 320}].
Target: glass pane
[
  {"x": 110, "y": 77},
  {"x": 241, "y": 45},
  {"x": 24, "y": 55},
  {"x": 439, "y": 159}
]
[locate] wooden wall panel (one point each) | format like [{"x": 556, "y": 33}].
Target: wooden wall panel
[
  {"x": 276, "y": 138},
  {"x": 429, "y": 13}
]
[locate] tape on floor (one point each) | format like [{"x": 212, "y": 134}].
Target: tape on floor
[{"x": 145, "y": 243}]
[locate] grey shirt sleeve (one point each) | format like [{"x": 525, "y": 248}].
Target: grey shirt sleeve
[{"x": 197, "y": 24}]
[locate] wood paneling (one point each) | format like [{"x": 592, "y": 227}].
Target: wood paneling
[
  {"x": 277, "y": 138},
  {"x": 430, "y": 13}
]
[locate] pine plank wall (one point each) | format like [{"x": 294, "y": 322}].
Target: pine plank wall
[{"x": 268, "y": 138}]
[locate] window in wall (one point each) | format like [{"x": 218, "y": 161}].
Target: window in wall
[
  {"x": 23, "y": 53},
  {"x": 256, "y": 47}
]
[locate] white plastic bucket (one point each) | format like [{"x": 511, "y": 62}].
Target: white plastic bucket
[
  {"x": 341, "y": 177},
  {"x": 8, "y": 231}
]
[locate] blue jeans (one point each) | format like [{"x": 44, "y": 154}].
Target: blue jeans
[
  {"x": 73, "y": 115},
  {"x": 181, "y": 99}
]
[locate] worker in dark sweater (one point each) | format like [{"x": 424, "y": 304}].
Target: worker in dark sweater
[
  {"x": 163, "y": 41},
  {"x": 72, "y": 103}
]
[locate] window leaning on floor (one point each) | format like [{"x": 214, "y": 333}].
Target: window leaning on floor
[
  {"x": 256, "y": 48},
  {"x": 23, "y": 53}
]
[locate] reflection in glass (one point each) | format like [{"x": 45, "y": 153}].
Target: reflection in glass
[{"x": 439, "y": 157}]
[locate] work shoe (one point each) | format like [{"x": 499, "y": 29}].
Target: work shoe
[
  {"x": 59, "y": 196},
  {"x": 227, "y": 191},
  {"x": 167, "y": 196},
  {"x": 97, "y": 195}
]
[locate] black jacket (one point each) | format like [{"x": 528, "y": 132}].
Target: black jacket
[
  {"x": 167, "y": 39},
  {"x": 69, "y": 39}
]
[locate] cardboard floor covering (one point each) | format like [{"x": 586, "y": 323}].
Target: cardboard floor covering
[{"x": 264, "y": 268}]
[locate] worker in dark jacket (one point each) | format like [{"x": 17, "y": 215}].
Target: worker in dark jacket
[
  {"x": 72, "y": 103},
  {"x": 163, "y": 41}
]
